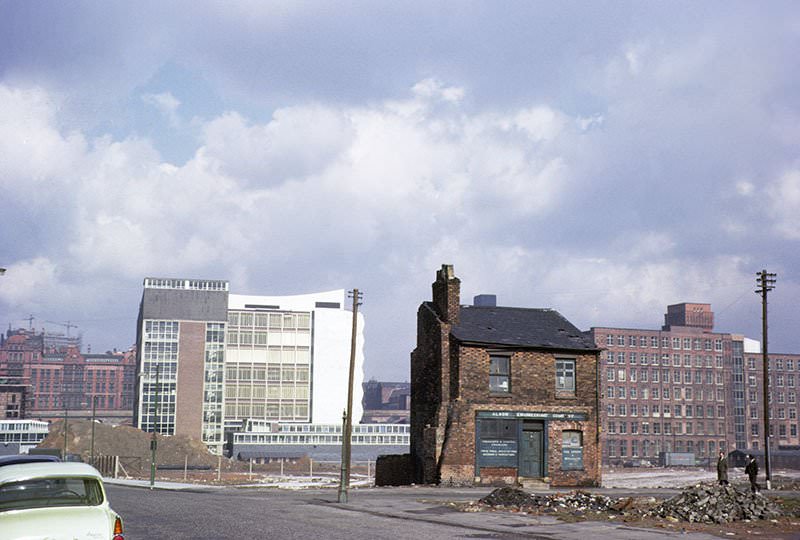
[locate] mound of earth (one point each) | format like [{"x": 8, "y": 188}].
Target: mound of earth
[{"x": 128, "y": 442}]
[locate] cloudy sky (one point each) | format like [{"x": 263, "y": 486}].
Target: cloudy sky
[{"x": 601, "y": 158}]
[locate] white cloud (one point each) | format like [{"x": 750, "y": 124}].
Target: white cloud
[
  {"x": 35, "y": 157},
  {"x": 435, "y": 89},
  {"x": 784, "y": 197},
  {"x": 745, "y": 188},
  {"x": 29, "y": 283},
  {"x": 166, "y": 104},
  {"x": 313, "y": 178},
  {"x": 634, "y": 56}
]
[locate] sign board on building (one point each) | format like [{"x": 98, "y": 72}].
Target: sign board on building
[
  {"x": 572, "y": 458},
  {"x": 497, "y": 453},
  {"x": 534, "y": 415}
]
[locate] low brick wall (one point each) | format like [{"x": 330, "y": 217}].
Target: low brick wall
[
  {"x": 498, "y": 476},
  {"x": 394, "y": 470}
]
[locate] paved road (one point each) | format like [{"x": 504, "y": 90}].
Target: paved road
[
  {"x": 372, "y": 514},
  {"x": 263, "y": 514}
]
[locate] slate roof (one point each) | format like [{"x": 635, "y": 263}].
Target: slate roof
[{"x": 519, "y": 327}]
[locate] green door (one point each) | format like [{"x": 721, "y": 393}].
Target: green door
[{"x": 531, "y": 454}]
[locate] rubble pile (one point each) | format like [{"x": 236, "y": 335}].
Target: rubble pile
[
  {"x": 580, "y": 501},
  {"x": 715, "y": 504},
  {"x": 506, "y": 496}
]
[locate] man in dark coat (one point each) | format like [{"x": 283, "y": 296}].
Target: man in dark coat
[
  {"x": 722, "y": 469},
  {"x": 751, "y": 470}
]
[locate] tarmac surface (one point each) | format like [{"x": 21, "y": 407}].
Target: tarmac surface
[{"x": 409, "y": 508}]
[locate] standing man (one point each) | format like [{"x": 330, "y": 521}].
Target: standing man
[
  {"x": 751, "y": 469},
  {"x": 722, "y": 469}
]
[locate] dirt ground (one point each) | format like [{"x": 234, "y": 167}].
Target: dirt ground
[{"x": 181, "y": 459}]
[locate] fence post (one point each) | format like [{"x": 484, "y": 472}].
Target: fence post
[
  {"x": 219, "y": 468},
  {"x": 116, "y": 466},
  {"x": 185, "y": 466},
  {"x": 250, "y": 477},
  {"x": 281, "y": 467},
  {"x": 310, "y": 468}
]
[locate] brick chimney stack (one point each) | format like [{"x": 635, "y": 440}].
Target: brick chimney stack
[{"x": 447, "y": 294}]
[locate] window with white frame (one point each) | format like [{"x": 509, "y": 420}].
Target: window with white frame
[
  {"x": 565, "y": 375},
  {"x": 499, "y": 374}
]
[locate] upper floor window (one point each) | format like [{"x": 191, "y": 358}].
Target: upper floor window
[
  {"x": 499, "y": 374},
  {"x": 565, "y": 375}
]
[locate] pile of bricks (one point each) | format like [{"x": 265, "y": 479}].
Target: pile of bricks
[
  {"x": 575, "y": 500},
  {"x": 715, "y": 504}
]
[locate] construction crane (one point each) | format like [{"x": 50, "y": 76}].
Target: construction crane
[{"x": 66, "y": 325}]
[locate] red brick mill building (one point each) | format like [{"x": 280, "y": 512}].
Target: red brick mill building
[{"x": 501, "y": 395}]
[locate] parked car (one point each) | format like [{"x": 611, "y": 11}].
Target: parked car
[
  {"x": 55, "y": 501},
  {"x": 16, "y": 459}
]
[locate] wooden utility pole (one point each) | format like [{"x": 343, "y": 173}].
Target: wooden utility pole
[
  {"x": 91, "y": 448},
  {"x": 766, "y": 282},
  {"x": 66, "y": 430},
  {"x": 347, "y": 431}
]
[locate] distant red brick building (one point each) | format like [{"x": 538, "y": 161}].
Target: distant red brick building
[
  {"x": 501, "y": 394},
  {"x": 13, "y": 400},
  {"x": 63, "y": 378}
]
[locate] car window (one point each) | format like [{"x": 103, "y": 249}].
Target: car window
[{"x": 44, "y": 492}]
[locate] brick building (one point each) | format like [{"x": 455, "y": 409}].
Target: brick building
[
  {"x": 501, "y": 394},
  {"x": 670, "y": 390},
  {"x": 61, "y": 377},
  {"x": 13, "y": 400},
  {"x": 784, "y": 377}
]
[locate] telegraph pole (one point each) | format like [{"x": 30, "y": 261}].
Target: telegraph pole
[
  {"x": 91, "y": 450},
  {"x": 154, "y": 440},
  {"x": 766, "y": 282},
  {"x": 66, "y": 429},
  {"x": 344, "y": 482}
]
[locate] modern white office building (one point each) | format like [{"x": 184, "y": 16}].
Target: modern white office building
[
  {"x": 287, "y": 359},
  {"x": 208, "y": 361}
]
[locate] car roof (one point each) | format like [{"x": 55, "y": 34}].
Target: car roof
[
  {"x": 27, "y": 458},
  {"x": 27, "y": 471}
]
